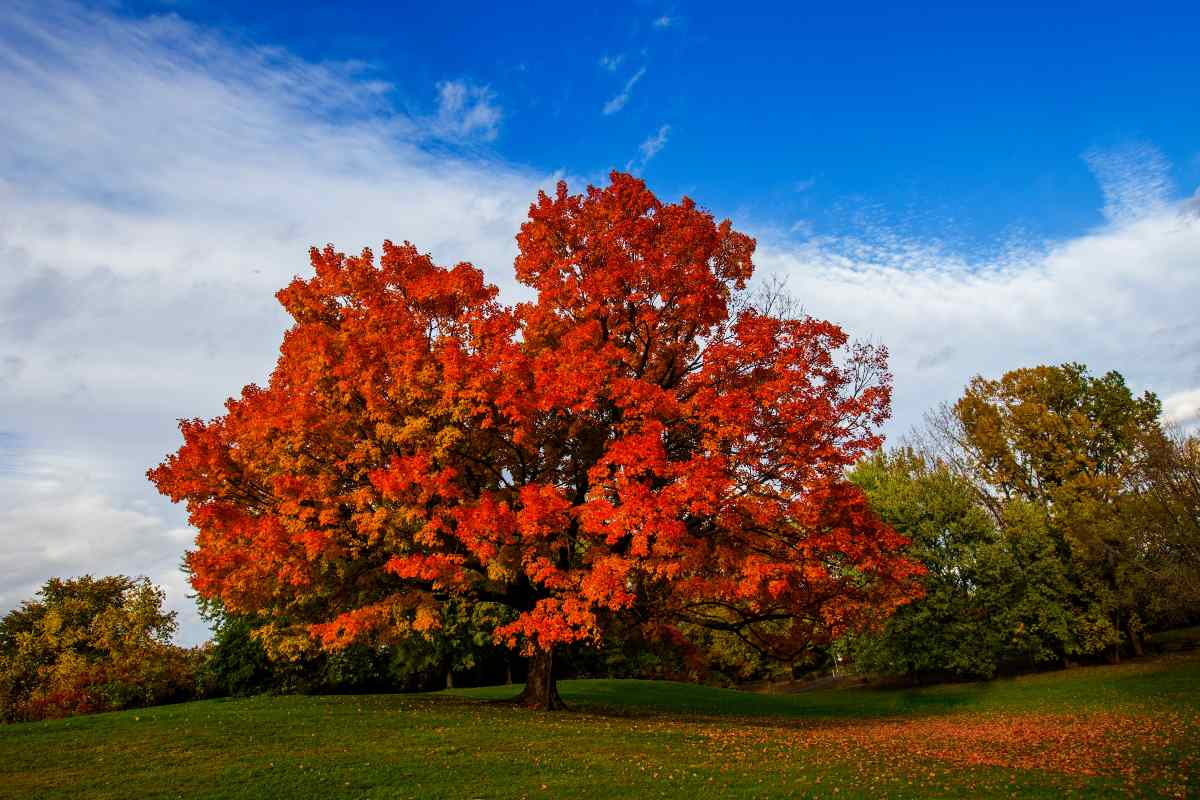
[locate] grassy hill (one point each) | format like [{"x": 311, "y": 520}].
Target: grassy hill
[{"x": 1091, "y": 732}]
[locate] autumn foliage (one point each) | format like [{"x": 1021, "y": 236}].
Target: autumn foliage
[
  {"x": 646, "y": 439},
  {"x": 91, "y": 644}
]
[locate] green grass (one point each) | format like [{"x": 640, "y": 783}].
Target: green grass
[{"x": 1097, "y": 731}]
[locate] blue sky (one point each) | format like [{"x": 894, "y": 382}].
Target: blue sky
[
  {"x": 960, "y": 120},
  {"x": 978, "y": 190}
]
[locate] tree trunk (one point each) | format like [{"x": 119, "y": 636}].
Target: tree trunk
[
  {"x": 1135, "y": 639},
  {"x": 541, "y": 689},
  {"x": 508, "y": 670},
  {"x": 449, "y": 678},
  {"x": 1134, "y": 632}
]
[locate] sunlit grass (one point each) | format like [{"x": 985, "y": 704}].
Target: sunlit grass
[{"x": 1091, "y": 732}]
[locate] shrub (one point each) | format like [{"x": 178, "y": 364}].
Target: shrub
[{"x": 91, "y": 644}]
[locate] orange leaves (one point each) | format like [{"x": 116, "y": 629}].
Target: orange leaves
[
  {"x": 545, "y": 511},
  {"x": 438, "y": 569},
  {"x": 551, "y": 622},
  {"x": 416, "y": 478},
  {"x": 622, "y": 439},
  {"x": 968, "y": 754},
  {"x": 316, "y": 543},
  {"x": 485, "y": 526},
  {"x": 608, "y": 584},
  {"x": 346, "y": 628}
]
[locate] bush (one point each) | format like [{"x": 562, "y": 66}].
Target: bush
[{"x": 92, "y": 644}]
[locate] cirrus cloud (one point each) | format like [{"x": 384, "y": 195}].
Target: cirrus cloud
[
  {"x": 1119, "y": 297},
  {"x": 160, "y": 183}
]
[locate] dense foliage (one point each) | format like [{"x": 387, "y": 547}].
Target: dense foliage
[
  {"x": 91, "y": 644},
  {"x": 952, "y": 628},
  {"x": 1057, "y": 520},
  {"x": 644, "y": 440}
]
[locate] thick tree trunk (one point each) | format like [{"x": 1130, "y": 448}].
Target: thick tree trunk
[{"x": 541, "y": 689}]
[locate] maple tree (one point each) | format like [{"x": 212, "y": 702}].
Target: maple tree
[{"x": 647, "y": 437}]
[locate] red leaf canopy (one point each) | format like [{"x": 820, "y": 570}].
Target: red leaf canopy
[{"x": 648, "y": 433}]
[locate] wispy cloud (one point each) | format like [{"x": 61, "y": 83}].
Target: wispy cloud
[
  {"x": 160, "y": 183},
  {"x": 617, "y": 103},
  {"x": 663, "y": 22},
  {"x": 1135, "y": 180},
  {"x": 1119, "y": 297},
  {"x": 801, "y": 227},
  {"x": 651, "y": 147},
  {"x": 611, "y": 63},
  {"x": 466, "y": 110}
]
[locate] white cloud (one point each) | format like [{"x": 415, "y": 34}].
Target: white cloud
[
  {"x": 466, "y": 110},
  {"x": 649, "y": 149},
  {"x": 1120, "y": 297},
  {"x": 611, "y": 63},
  {"x": 159, "y": 184},
  {"x": 617, "y": 103},
  {"x": 1182, "y": 408},
  {"x": 1135, "y": 179},
  {"x": 56, "y": 520},
  {"x": 663, "y": 22}
]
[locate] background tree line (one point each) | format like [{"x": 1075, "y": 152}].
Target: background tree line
[{"x": 1057, "y": 519}]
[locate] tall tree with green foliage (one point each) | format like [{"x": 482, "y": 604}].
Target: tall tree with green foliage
[
  {"x": 948, "y": 630},
  {"x": 1068, "y": 444},
  {"x": 996, "y": 592},
  {"x": 1164, "y": 513}
]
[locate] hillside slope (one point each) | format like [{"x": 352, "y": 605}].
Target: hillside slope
[{"x": 1098, "y": 731}]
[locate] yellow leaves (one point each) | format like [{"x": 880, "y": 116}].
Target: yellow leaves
[
  {"x": 427, "y": 619},
  {"x": 283, "y": 643},
  {"x": 445, "y": 440},
  {"x": 499, "y": 572}
]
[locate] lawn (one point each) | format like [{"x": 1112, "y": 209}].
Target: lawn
[{"x": 1088, "y": 732}]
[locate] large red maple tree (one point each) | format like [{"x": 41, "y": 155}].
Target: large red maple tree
[{"x": 648, "y": 433}]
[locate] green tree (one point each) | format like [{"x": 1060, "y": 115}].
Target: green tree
[
  {"x": 1164, "y": 514},
  {"x": 1068, "y": 444},
  {"x": 950, "y": 630},
  {"x": 1030, "y": 596},
  {"x": 997, "y": 591},
  {"x": 239, "y": 664}
]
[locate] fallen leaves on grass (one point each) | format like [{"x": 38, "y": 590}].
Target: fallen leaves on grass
[{"x": 1133, "y": 748}]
